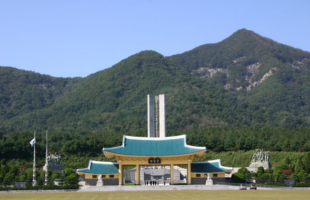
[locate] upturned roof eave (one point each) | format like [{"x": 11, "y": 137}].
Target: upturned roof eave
[
  {"x": 107, "y": 151},
  {"x": 112, "y": 154}
]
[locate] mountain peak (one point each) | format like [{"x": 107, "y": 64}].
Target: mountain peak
[{"x": 244, "y": 34}]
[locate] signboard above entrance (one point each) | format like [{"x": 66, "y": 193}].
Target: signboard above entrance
[{"x": 154, "y": 161}]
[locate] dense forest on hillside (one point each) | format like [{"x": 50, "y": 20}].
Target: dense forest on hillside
[
  {"x": 23, "y": 92},
  {"x": 16, "y": 145},
  {"x": 114, "y": 99},
  {"x": 245, "y": 58}
]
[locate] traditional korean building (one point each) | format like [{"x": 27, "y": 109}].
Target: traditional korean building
[{"x": 147, "y": 151}]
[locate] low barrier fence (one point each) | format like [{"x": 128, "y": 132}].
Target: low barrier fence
[{"x": 261, "y": 185}]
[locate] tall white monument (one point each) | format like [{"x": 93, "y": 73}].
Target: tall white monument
[{"x": 156, "y": 115}]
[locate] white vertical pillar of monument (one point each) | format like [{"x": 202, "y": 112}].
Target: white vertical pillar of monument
[
  {"x": 156, "y": 115},
  {"x": 150, "y": 115},
  {"x": 162, "y": 115}
]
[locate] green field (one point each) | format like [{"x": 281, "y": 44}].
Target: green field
[{"x": 194, "y": 195}]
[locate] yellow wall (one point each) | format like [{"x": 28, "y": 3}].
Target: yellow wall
[
  {"x": 107, "y": 176},
  {"x": 202, "y": 175}
]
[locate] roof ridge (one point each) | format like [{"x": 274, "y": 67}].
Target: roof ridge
[{"x": 156, "y": 138}]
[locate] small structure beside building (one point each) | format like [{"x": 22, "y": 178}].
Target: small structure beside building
[
  {"x": 204, "y": 171},
  {"x": 108, "y": 172}
]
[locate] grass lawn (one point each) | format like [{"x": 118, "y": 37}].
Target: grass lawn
[{"x": 193, "y": 195}]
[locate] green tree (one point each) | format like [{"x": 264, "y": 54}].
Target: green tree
[
  {"x": 253, "y": 174},
  {"x": 72, "y": 179},
  {"x": 16, "y": 179},
  {"x": 294, "y": 177},
  {"x": 8, "y": 179},
  {"x": 265, "y": 177},
  {"x": 301, "y": 174},
  {"x": 4, "y": 170},
  {"x": 307, "y": 162},
  {"x": 40, "y": 181},
  {"x": 28, "y": 182},
  {"x": 306, "y": 178},
  {"x": 260, "y": 170},
  {"x": 287, "y": 161},
  {"x": 269, "y": 170},
  {"x": 69, "y": 171},
  {"x": 55, "y": 175},
  {"x": 23, "y": 176},
  {"x": 281, "y": 178},
  {"x": 299, "y": 165}
]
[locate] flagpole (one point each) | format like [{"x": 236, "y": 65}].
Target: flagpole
[
  {"x": 46, "y": 164},
  {"x": 34, "y": 182}
]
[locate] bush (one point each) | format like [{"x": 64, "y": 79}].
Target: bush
[
  {"x": 55, "y": 175},
  {"x": 260, "y": 170},
  {"x": 39, "y": 181},
  {"x": 306, "y": 178},
  {"x": 43, "y": 187},
  {"x": 294, "y": 177},
  {"x": 270, "y": 171},
  {"x": 69, "y": 171},
  {"x": 238, "y": 178},
  {"x": 301, "y": 174},
  {"x": 282, "y": 178},
  {"x": 4, "y": 170},
  {"x": 16, "y": 179},
  {"x": 22, "y": 178},
  {"x": 253, "y": 174},
  {"x": 301, "y": 185},
  {"x": 72, "y": 179},
  {"x": 28, "y": 182},
  {"x": 8, "y": 179},
  {"x": 265, "y": 177}
]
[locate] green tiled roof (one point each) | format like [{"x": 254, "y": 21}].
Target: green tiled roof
[
  {"x": 97, "y": 167},
  {"x": 209, "y": 167},
  {"x": 146, "y": 146}
]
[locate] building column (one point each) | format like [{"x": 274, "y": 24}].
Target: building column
[
  {"x": 189, "y": 176},
  {"x": 120, "y": 178},
  {"x": 171, "y": 174},
  {"x": 137, "y": 174}
]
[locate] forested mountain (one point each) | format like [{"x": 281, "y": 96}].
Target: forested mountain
[
  {"x": 23, "y": 92},
  {"x": 272, "y": 76},
  {"x": 242, "y": 60},
  {"x": 244, "y": 81}
]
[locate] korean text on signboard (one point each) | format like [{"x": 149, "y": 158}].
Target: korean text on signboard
[{"x": 154, "y": 160}]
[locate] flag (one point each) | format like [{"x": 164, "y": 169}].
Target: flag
[{"x": 33, "y": 141}]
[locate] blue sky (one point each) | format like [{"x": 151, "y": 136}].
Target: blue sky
[{"x": 69, "y": 38}]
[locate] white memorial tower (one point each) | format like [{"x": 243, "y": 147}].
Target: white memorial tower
[{"x": 156, "y": 115}]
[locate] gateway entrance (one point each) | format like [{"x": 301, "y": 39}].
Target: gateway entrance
[{"x": 160, "y": 174}]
